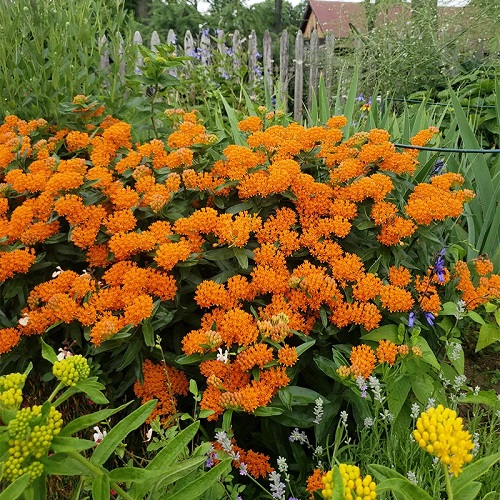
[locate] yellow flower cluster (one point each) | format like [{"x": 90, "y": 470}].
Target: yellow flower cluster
[
  {"x": 440, "y": 432},
  {"x": 71, "y": 369},
  {"x": 11, "y": 390},
  {"x": 30, "y": 438},
  {"x": 355, "y": 486}
]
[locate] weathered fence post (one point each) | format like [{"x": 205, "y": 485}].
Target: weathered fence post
[
  {"x": 252, "y": 58},
  {"x": 299, "y": 77},
  {"x": 205, "y": 48},
  {"x": 284, "y": 53},
  {"x": 329, "y": 59},
  {"x": 137, "y": 40},
  {"x": 155, "y": 40},
  {"x": 236, "y": 50},
  {"x": 313, "y": 67},
  {"x": 121, "y": 55},
  {"x": 267, "y": 61},
  {"x": 172, "y": 37},
  {"x": 104, "y": 51}
]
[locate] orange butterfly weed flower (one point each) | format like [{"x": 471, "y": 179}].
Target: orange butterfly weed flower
[
  {"x": 250, "y": 124},
  {"x": 77, "y": 140},
  {"x": 15, "y": 262},
  {"x": 367, "y": 287},
  {"x": 483, "y": 266},
  {"x": 120, "y": 220},
  {"x": 9, "y": 338},
  {"x": 287, "y": 355},
  {"x": 383, "y": 211},
  {"x": 399, "y": 276},
  {"x": 257, "y": 464},
  {"x": 362, "y": 361},
  {"x": 105, "y": 328},
  {"x": 315, "y": 482},
  {"x": 255, "y": 355},
  {"x": 395, "y": 230},
  {"x": 238, "y": 326},
  {"x": 140, "y": 309},
  {"x": 396, "y": 299},
  {"x": 387, "y": 352},
  {"x": 162, "y": 382}
]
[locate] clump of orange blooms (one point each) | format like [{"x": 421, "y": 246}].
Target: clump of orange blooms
[
  {"x": 290, "y": 237},
  {"x": 364, "y": 360},
  {"x": 164, "y": 383}
]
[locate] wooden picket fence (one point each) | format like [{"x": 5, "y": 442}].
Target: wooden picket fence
[{"x": 295, "y": 71}]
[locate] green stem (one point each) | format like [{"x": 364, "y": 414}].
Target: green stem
[
  {"x": 449, "y": 491},
  {"x": 60, "y": 385},
  {"x": 259, "y": 485},
  {"x": 98, "y": 472}
]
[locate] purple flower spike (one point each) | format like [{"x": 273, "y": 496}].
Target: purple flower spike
[
  {"x": 411, "y": 319},
  {"x": 429, "y": 318}
]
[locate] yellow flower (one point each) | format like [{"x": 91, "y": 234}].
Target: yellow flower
[
  {"x": 440, "y": 432},
  {"x": 355, "y": 486}
]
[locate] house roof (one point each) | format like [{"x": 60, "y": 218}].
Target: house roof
[{"x": 335, "y": 16}]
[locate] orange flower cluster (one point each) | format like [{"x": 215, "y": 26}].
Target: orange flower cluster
[
  {"x": 315, "y": 482},
  {"x": 164, "y": 383},
  {"x": 480, "y": 291},
  {"x": 364, "y": 359}
]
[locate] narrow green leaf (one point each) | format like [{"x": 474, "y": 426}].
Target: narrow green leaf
[
  {"x": 338, "y": 485},
  {"x": 101, "y": 488},
  {"x": 124, "y": 474},
  {"x": 472, "y": 471},
  {"x": 116, "y": 435},
  {"x": 241, "y": 257},
  {"x": 180, "y": 470},
  {"x": 268, "y": 411},
  {"x": 86, "y": 421},
  {"x": 148, "y": 333},
  {"x": 351, "y": 100},
  {"x": 61, "y": 464},
  {"x": 167, "y": 455},
  {"x": 201, "y": 484},
  {"x": 304, "y": 347},
  {"x": 427, "y": 354},
  {"x": 16, "y": 489},
  {"x": 66, "y": 444},
  {"x": 233, "y": 122}
]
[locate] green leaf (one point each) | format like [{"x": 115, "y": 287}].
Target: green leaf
[
  {"x": 448, "y": 309},
  {"x": 241, "y": 257},
  {"x": 338, "y": 485},
  {"x": 489, "y": 333},
  {"x": 301, "y": 396},
  {"x": 427, "y": 354},
  {"x": 116, "y": 435},
  {"x": 488, "y": 398},
  {"x": 472, "y": 471},
  {"x": 89, "y": 386},
  {"x": 101, "y": 488},
  {"x": 167, "y": 455},
  {"x": 470, "y": 491},
  {"x": 16, "y": 489},
  {"x": 66, "y": 444},
  {"x": 197, "y": 487},
  {"x": 124, "y": 474},
  {"x": 386, "y": 332},
  {"x": 408, "y": 490},
  {"x": 304, "y": 347},
  {"x": 474, "y": 316},
  {"x": 398, "y": 394},
  {"x": 86, "y": 421},
  {"x": 423, "y": 386},
  {"x": 180, "y": 470},
  {"x": 61, "y": 464},
  {"x": 47, "y": 352},
  {"x": 148, "y": 333},
  {"x": 268, "y": 411}
]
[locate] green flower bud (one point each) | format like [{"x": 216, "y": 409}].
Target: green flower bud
[{"x": 71, "y": 369}]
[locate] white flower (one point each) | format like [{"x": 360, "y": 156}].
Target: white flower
[
  {"x": 415, "y": 410},
  {"x": 368, "y": 422},
  {"x": 24, "y": 320},
  {"x": 57, "y": 272},
  {"x": 98, "y": 435},
  {"x": 63, "y": 353},
  {"x": 343, "y": 418},
  {"x": 223, "y": 357},
  {"x": 149, "y": 435},
  {"x": 412, "y": 477},
  {"x": 318, "y": 410}
]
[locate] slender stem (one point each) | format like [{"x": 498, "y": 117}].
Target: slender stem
[
  {"x": 449, "y": 491},
  {"x": 98, "y": 472},
  {"x": 60, "y": 385},
  {"x": 258, "y": 484}
]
